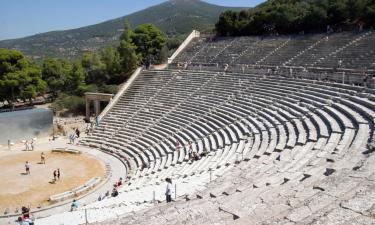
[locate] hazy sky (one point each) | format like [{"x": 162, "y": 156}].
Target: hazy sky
[{"x": 19, "y": 18}]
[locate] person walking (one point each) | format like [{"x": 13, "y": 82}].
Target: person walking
[
  {"x": 97, "y": 121},
  {"x": 78, "y": 132},
  {"x": 27, "y": 146},
  {"x": 58, "y": 174},
  {"x": 74, "y": 205},
  {"x": 27, "y": 167},
  {"x": 70, "y": 138},
  {"x": 42, "y": 158},
  {"x": 168, "y": 191},
  {"x": 32, "y": 144},
  {"x": 178, "y": 145},
  {"x": 54, "y": 175}
]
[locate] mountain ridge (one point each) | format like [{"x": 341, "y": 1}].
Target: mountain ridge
[{"x": 174, "y": 17}]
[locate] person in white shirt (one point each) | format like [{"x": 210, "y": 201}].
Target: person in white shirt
[
  {"x": 27, "y": 148},
  {"x": 32, "y": 145},
  {"x": 168, "y": 191}
]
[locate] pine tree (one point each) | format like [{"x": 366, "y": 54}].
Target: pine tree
[{"x": 127, "y": 51}]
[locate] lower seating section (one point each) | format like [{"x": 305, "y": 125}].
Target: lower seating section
[
  {"x": 273, "y": 150},
  {"x": 76, "y": 191}
]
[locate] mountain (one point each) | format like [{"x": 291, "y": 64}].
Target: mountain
[{"x": 174, "y": 17}]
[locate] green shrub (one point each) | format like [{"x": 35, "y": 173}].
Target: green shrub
[
  {"x": 109, "y": 89},
  {"x": 69, "y": 103}
]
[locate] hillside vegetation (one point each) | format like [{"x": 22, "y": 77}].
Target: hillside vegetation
[
  {"x": 174, "y": 18},
  {"x": 66, "y": 81},
  {"x": 294, "y": 16}
]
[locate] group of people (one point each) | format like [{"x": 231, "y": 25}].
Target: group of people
[
  {"x": 193, "y": 155},
  {"x": 28, "y": 166},
  {"x": 56, "y": 175},
  {"x": 29, "y": 146},
  {"x": 26, "y": 218},
  {"x": 114, "y": 192},
  {"x": 73, "y": 136}
]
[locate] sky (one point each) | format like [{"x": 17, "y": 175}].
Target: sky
[{"x": 20, "y": 18}]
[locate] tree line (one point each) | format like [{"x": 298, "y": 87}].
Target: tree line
[
  {"x": 67, "y": 81},
  {"x": 296, "y": 16}
]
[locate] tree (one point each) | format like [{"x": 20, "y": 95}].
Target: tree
[
  {"x": 75, "y": 79},
  {"x": 293, "y": 16},
  {"x": 55, "y": 72},
  {"x": 149, "y": 41},
  {"x": 19, "y": 78},
  {"x": 129, "y": 59},
  {"x": 34, "y": 84},
  {"x": 112, "y": 62},
  {"x": 94, "y": 68}
]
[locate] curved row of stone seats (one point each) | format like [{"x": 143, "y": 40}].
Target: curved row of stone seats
[
  {"x": 351, "y": 53},
  {"x": 309, "y": 160},
  {"x": 76, "y": 191},
  {"x": 353, "y": 49},
  {"x": 295, "y": 47},
  {"x": 66, "y": 150},
  {"x": 286, "y": 202},
  {"x": 212, "y": 50}
]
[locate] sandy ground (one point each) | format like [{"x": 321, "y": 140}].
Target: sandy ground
[{"x": 17, "y": 189}]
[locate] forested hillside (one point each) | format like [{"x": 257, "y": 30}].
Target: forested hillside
[
  {"x": 295, "y": 16},
  {"x": 174, "y": 18},
  {"x": 65, "y": 81}
]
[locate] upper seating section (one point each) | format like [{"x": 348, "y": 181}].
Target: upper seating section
[
  {"x": 349, "y": 50},
  {"x": 258, "y": 135}
]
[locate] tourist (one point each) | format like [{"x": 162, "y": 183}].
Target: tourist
[
  {"x": 87, "y": 130},
  {"x": 195, "y": 156},
  {"x": 74, "y": 205},
  {"x": 27, "y": 167},
  {"x": 54, "y": 175},
  {"x": 119, "y": 183},
  {"x": 114, "y": 192},
  {"x": 25, "y": 211},
  {"x": 22, "y": 221},
  {"x": 78, "y": 132},
  {"x": 178, "y": 145},
  {"x": 42, "y": 158},
  {"x": 97, "y": 121},
  {"x": 27, "y": 146},
  {"x": 72, "y": 138},
  {"x": 29, "y": 220},
  {"x": 190, "y": 154},
  {"x": 365, "y": 79},
  {"x": 32, "y": 145},
  {"x": 58, "y": 174},
  {"x": 168, "y": 191},
  {"x": 190, "y": 150}
]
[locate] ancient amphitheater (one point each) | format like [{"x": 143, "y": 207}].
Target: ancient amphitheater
[{"x": 285, "y": 126}]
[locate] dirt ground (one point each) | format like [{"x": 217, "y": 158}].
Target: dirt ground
[{"x": 17, "y": 189}]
